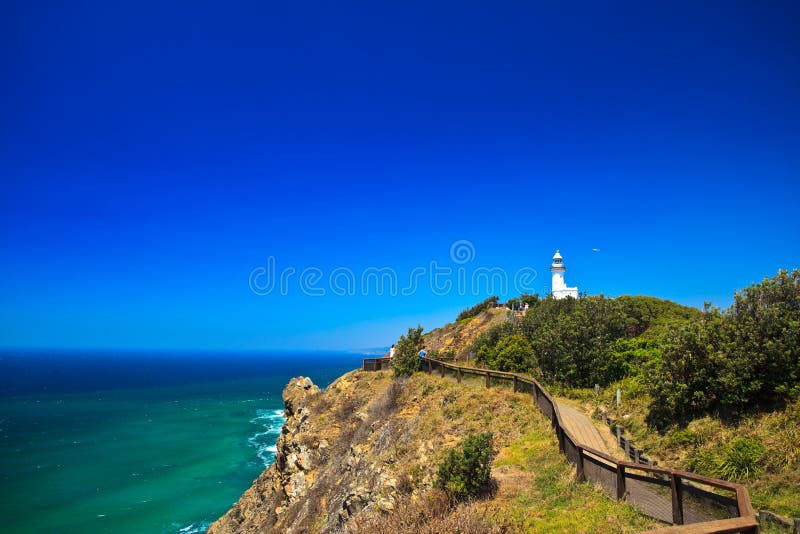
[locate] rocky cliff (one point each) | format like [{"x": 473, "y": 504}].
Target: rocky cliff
[
  {"x": 322, "y": 475},
  {"x": 358, "y": 447},
  {"x": 361, "y": 456}
]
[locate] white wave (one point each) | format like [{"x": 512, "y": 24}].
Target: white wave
[
  {"x": 263, "y": 441},
  {"x": 201, "y": 526}
]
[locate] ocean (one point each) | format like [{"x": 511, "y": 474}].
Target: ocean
[{"x": 140, "y": 442}]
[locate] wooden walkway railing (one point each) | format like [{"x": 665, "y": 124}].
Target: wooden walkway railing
[{"x": 693, "y": 503}]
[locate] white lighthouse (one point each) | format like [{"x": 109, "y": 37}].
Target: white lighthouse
[{"x": 560, "y": 289}]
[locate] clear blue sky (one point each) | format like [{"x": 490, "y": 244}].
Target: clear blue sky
[{"x": 153, "y": 154}]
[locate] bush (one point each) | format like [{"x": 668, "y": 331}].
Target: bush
[
  {"x": 469, "y": 313},
  {"x": 683, "y": 437},
  {"x": 467, "y": 472},
  {"x": 406, "y": 358},
  {"x": 731, "y": 362},
  {"x": 514, "y": 354},
  {"x": 743, "y": 459}
]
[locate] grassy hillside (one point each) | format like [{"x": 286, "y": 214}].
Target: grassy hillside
[
  {"x": 535, "y": 486},
  {"x": 712, "y": 391}
]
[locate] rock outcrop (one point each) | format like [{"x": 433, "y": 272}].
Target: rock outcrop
[{"x": 323, "y": 473}]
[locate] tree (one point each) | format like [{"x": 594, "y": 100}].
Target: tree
[
  {"x": 727, "y": 363},
  {"x": 684, "y": 381},
  {"x": 513, "y": 354},
  {"x": 406, "y": 358}
]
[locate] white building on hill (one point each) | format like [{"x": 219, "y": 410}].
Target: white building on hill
[{"x": 560, "y": 289}]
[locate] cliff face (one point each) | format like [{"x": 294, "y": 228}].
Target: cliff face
[
  {"x": 321, "y": 475},
  {"x": 361, "y": 445}
]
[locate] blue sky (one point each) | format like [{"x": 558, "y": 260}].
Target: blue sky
[{"x": 152, "y": 156}]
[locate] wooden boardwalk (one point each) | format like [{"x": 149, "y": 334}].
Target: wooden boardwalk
[
  {"x": 581, "y": 427},
  {"x": 650, "y": 500}
]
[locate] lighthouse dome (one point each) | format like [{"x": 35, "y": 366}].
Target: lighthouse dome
[{"x": 558, "y": 262}]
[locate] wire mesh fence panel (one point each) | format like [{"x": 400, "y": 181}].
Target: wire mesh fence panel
[
  {"x": 571, "y": 450},
  {"x": 501, "y": 382},
  {"x": 525, "y": 387},
  {"x": 601, "y": 473},
  {"x": 705, "y": 505},
  {"x": 545, "y": 406},
  {"x": 473, "y": 378},
  {"x": 649, "y": 494}
]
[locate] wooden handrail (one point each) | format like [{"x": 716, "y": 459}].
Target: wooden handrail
[
  {"x": 746, "y": 522},
  {"x": 720, "y": 526}
]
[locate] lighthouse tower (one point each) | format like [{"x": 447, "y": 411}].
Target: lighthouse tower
[{"x": 560, "y": 289}]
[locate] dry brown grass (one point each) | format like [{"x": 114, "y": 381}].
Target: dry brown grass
[{"x": 434, "y": 513}]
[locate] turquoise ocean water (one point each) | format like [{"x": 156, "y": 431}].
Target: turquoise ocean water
[{"x": 127, "y": 442}]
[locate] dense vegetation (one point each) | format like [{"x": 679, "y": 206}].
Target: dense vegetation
[
  {"x": 747, "y": 356},
  {"x": 691, "y": 362}
]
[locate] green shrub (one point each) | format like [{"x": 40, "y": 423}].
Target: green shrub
[
  {"x": 704, "y": 462},
  {"x": 742, "y": 459},
  {"x": 514, "y": 354},
  {"x": 406, "y": 358},
  {"x": 683, "y": 438},
  {"x": 467, "y": 472}
]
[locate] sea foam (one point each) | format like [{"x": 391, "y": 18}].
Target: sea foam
[{"x": 270, "y": 423}]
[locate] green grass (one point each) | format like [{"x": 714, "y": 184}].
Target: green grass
[{"x": 553, "y": 501}]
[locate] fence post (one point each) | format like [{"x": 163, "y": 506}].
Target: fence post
[
  {"x": 619, "y": 434},
  {"x": 796, "y": 525},
  {"x": 535, "y": 393},
  {"x": 560, "y": 436},
  {"x": 620, "y": 482},
  {"x": 458, "y": 375},
  {"x": 515, "y": 383},
  {"x": 488, "y": 374},
  {"x": 579, "y": 474},
  {"x": 441, "y": 369},
  {"x": 627, "y": 448},
  {"x": 677, "y": 499},
  {"x": 430, "y": 366}
]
